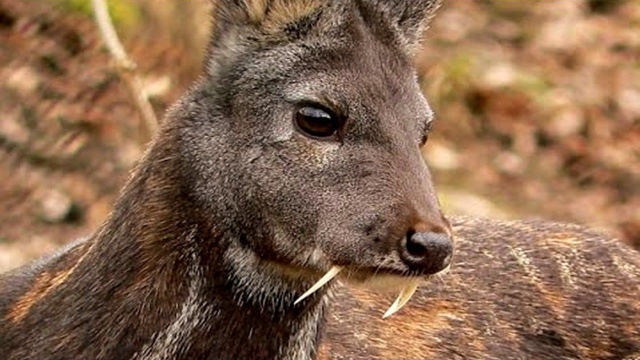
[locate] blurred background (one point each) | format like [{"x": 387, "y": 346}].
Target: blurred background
[{"x": 538, "y": 106}]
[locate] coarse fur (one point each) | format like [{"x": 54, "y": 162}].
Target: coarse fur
[
  {"x": 234, "y": 212},
  {"x": 521, "y": 290}
]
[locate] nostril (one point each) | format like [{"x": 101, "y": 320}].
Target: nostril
[
  {"x": 416, "y": 245},
  {"x": 428, "y": 252}
]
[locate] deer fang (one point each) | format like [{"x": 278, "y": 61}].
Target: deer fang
[
  {"x": 325, "y": 279},
  {"x": 403, "y": 298}
]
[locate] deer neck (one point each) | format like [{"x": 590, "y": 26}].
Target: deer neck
[{"x": 206, "y": 294}]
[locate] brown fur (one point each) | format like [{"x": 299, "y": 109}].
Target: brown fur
[
  {"x": 45, "y": 283},
  {"x": 573, "y": 302},
  {"x": 272, "y": 16},
  {"x": 268, "y": 16}
]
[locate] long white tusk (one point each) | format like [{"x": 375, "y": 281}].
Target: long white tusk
[
  {"x": 403, "y": 298},
  {"x": 325, "y": 279}
]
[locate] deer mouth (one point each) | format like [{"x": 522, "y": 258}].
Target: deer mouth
[{"x": 384, "y": 279}]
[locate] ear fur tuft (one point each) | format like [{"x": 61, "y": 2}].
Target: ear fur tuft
[
  {"x": 267, "y": 16},
  {"x": 410, "y": 18},
  {"x": 241, "y": 23}
]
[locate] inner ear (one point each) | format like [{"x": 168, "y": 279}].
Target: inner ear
[
  {"x": 266, "y": 16},
  {"x": 283, "y": 14},
  {"x": 241, "y": 24}
]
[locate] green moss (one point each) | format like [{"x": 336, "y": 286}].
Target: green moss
[
  {"x": 457, "y": 73},
  {"x": 124, "y": 13},
  {"x": 512, "y": 9},
  {"x": 535, "y": 86},
  {"x": 459, "y": 68}
]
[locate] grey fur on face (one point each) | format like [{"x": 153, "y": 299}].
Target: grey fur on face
[{"x": 314, "y": 203}]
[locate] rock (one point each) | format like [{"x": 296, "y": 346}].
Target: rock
[
  {"x": 500, "y": 75},
  {"x": 23, "y": 80},
  {"x": 56, "y": 207},
  {"x": 441, "y": 157}
]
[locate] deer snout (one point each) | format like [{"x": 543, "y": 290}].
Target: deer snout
[{"x": 427, "y": 252}]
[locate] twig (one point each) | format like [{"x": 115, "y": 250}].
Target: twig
[
  {"x": 35, "y": 158},
  {"x": 125, "y": 65}
]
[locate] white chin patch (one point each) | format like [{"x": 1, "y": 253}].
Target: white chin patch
[
  {"x": 387, "y": 283},
  {"x": 405, "y": 285}
]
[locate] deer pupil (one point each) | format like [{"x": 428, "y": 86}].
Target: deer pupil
[{"x": 317, "y": 122}]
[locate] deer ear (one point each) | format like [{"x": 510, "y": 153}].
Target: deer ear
[
  {"x": 410, "y": 18},
  {"x": 262, "y": 16},
  {"x": 241, "y": 23}
]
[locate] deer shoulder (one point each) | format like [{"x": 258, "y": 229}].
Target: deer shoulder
[{"x": 515, "y": 290}]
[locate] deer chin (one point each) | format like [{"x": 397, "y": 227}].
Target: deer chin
[
  {"x": 385, "y": 283},
  {"x": 404, "y": 285}
]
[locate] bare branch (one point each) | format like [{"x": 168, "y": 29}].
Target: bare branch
[{"x": 125, "y": 66}]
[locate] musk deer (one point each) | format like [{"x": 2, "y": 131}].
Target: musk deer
[{"x": 297, "y": 154}]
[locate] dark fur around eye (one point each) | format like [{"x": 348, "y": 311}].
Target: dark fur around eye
[{"x": 425, "y": 133}]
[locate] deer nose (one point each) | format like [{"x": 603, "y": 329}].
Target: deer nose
[{"x": 426, "y": 252}]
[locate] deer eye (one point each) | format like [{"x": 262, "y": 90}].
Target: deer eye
[{"x": 316, "y": 122}]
